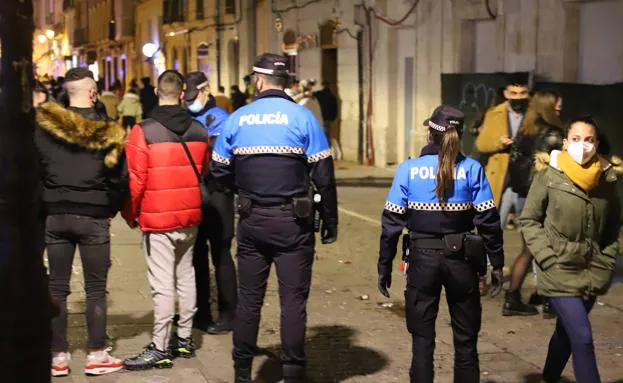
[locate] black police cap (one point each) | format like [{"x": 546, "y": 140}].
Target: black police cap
[
  {"x": 195, "y": 81},
  {"x": 77, "y": 74},
  {"x": 445, "y": 117},
  {"x": 271, "y": 64}
]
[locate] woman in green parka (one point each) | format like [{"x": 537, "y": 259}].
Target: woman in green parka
[{"x": 571, "y": 223}]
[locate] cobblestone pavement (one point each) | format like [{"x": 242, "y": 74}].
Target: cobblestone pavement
[{"x": 349, "y": 339}]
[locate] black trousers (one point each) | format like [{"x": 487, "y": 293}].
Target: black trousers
[
  {"x": 273, "y": 235},
  {"x": 428, "y": 271},
  {"x": 217, "y": 228},
  {"x": 128, "y": 122},
  {"x": 92, "y": 235}
]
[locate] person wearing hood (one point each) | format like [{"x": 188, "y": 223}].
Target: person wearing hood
[
  {"x": 167, "y": 157},
  {"x": 217, "y": 225},
  {"x": 130, "y": 109},
  {"x": 84, "y": 185},
  {"x": 571, "y": 224}
]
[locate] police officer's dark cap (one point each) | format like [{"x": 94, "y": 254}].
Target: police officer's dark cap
[
  {"x": 271, "y": 65},
  {"x": 77, "y": 74},
  {"x": 195, "y": 81},
  {"x": 445, "y": 117}
]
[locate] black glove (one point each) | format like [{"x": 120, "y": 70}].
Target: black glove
[
  {"x": 385, "y": 282},
  {"x": 497, "y": 277},
  {"x": 328, "y": 234}
]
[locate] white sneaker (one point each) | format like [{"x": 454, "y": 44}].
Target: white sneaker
[
  {"x": 101, "y": 363},
  {"x": 60, "y": 364}
]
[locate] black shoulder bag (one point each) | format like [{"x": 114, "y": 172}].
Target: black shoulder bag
[{"x": 203, "y": 188}]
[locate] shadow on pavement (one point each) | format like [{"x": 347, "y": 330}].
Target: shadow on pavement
[
  {"x": 378, "y": 182},
  {"x": 331, "y": 357}
]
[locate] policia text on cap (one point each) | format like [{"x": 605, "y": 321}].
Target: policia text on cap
[
  {"x": 441, "y": 207},
  {"x": 273, "y": 161}
]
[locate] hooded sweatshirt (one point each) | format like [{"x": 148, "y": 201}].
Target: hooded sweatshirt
[{"x": 164, "y": 188}]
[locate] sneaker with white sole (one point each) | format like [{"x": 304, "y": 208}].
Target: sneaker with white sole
[
  {"x": 60, "y": 364},
  {"x": 101, "y": 363}
]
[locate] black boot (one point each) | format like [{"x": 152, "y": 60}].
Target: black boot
[
  {"x": 513, "y": 306},
  {"x": 243, "y": 370},
  {"x": 293, "y": 373},
  {"x": 548, "y": 312}
]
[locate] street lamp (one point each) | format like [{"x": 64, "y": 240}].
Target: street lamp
[
  {"x": 42, "y": 39},
  {"x": 150, "y": 49},
  {"x": 50, "y": 34}
]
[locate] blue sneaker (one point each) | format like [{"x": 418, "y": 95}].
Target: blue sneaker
[{"x": 151, "y": 357}]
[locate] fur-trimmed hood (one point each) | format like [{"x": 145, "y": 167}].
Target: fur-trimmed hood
[
  {"x": 76, "y": 129},
  {"x": 613, "y": 166}
]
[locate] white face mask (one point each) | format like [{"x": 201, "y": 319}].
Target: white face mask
[
  {"x": 581, "y": 152},
  {"x": 196, "y": 106}
]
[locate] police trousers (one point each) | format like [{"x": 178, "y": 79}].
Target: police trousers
[
  {"x": 217, "y": 228},
  {"x": 267, "y": 235},
  {"x": 429, "y": 270}
]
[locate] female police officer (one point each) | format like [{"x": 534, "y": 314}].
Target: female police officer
[{"x": 440, "y": 197}]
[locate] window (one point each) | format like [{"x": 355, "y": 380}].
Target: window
[
  {"x": 230, "y": 7},
  {"x": 200, "y": 9}
]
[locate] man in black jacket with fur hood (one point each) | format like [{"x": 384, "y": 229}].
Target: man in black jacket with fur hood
[{"x": 84, "y": 179}]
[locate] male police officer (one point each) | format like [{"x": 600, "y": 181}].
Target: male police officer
[
  {"x": 217, "y": 225},
  {"x": 275, "y": 148}
]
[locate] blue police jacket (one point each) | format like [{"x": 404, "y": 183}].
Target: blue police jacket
[
  {"x": 271, "y": 150},
  {"x": 412, "y": 202},
  {"x": 211, "y": 117}
]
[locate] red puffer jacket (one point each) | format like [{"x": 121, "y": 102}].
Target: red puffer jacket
[{"x": 164, "y": 188}]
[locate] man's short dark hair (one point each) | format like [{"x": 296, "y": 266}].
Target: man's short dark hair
[
  {"x": 221, "y": 88},
  {"x": 517, "y": 79},
  {"x": 280, "y": 82},
  {"x": 170, "y": 84}
]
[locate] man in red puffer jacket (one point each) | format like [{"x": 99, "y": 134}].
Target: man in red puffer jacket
[{"x": 166, "y": 203}]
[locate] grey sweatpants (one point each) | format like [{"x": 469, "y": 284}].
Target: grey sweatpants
[{"x": 170, "y": 264}]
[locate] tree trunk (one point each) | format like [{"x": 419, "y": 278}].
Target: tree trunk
[{"x": 25, "y": 309}]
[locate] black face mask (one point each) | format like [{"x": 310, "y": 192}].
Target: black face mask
[{"x": 520, "y": 105}]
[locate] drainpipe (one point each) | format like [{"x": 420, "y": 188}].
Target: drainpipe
[
  {"x": 360, "y": 82},
  {"x": 218, "y": 41}
]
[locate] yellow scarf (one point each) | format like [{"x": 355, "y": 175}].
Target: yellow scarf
[{"x": 585, "y": 176}]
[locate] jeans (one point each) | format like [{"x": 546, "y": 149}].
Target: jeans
[
  {"x": 573, "y": 335},
  {"x": 510, "y": 199},
  {"x": 429, "y": 270},
  {"x": 92, "y": 236}
]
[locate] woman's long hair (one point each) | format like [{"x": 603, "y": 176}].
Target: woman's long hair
[
  {"x": 542, "y": 108},
  {"x": 450, "y": 145}
]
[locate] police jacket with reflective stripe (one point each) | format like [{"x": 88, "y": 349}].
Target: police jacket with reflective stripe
[
  {"x": 163, "y": 185},
  {"x": 273, "y": 147},
  {"x": 412, "y": 202}
]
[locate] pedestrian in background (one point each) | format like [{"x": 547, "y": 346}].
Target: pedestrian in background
[
  {"x": 222, "y": 101},
  {"x": 149, "y": 100},
  {"x": 237, "y": 97},
  {"x": 440, "y": 208},
  {"x": 40, "y": 94},
  {"x": 84, "y": 186},
  {"x": 499, "y": 129},
  {"x": 111, "y": 100},
  {"x": 167, "y": 156},
  {"x": 130, "y": 109},
  {"x": 278, "y": 149},
  {"x": 328, "y": 106},
  {"x": 308, "y": 100},
  {"x": 571, "y": 223},
  {"x": 541, "y": 131},
  {"x": 217, "y": 224}
]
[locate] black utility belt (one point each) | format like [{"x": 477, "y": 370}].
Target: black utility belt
[
  {"x": 467, "y": 245},
  {"x": 302, "y": 207}
]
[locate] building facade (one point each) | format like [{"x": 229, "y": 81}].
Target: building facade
[{"x": 52, "y": 54}]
